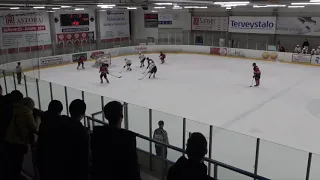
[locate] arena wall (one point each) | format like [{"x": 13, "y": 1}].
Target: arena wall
[{"x": 50, "y": 61}]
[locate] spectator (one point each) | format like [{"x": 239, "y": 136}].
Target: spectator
[
  {"x": 19, "y": 72},
  {"x": 282, "y": 49},
  {"x": 17, "y": 137},
  {"x": 305, "y": 44},
  {"x": 114, "y": 154},
  {"x": 161, "y": 135},
  {"x": 193, "y": 167},
  {"x": 48, "y": 138},
  {"x": 10, "y": 100},
  {"x": 62, "y": 149},
  {"x": 1, "y": 91}
]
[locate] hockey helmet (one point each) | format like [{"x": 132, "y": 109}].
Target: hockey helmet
[
  {"x": 298, "y": 45},
  {"x": 254, "y": 64}
]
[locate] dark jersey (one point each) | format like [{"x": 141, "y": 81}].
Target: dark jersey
[
  {"x": 256, "y": 70},
  {"x": 103, "y": 70}
]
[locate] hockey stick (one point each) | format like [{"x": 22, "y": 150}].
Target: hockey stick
[
  {"x": 122, "y": 69},
  {"x": 115, "y": 76},
  {"x": 145, "y": 71},
  {"x": 144, "y": 76},
  {"x": 252, "y": 82}
]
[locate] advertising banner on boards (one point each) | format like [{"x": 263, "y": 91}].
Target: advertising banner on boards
[
  {"x": 24, "y": 29},
  {"x": 209, "y": 23},
  {"x": 114, "y": 25},
  {"x": 298, "y": 26},
  {"x": 252, "y": 24}
]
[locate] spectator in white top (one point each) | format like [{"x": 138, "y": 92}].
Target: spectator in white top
[
  {"x": 19, "y": 72},
  {"x": 161, "y": 135}
]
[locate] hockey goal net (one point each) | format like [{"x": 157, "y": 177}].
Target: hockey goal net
[{"x": 101, "y": 59}]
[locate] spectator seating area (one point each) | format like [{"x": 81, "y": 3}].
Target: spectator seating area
[{"x": 66, "y": 147}]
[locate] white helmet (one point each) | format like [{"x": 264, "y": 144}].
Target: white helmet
[
  {"x": 313, "y": 49},
  {"x": 298, "y": 45},
  {"x": 319, "y": 47},
  {"x": 304, "y": 48},
  {"x": 139, "y": 52}
]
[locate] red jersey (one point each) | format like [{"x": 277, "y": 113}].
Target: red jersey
[
  {"x": 103, "y": 70},
  {"x": 163, "y": 56},
  {"x": 256, "y": 70},
  {"x": 81, "y": 59}
]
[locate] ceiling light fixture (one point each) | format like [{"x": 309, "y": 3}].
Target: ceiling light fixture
[
  {"x": 176, "y": 7},
  {"x": 106, "y": 7},
  {"x": 50, "y": 11},
  {"x": 235, "y": 2},
  {"x": 55, "y": 8},
  {"x": 195, "y": 7},
  {"x": 14, "y": 8},
  {"x": 295, "y": 6},
  {"x": 38, "y": 7},
  {"x": 154, "y": 11},
  {"x": 228, "y": 8},
  {"x": 159, "y": 7},
  {"x": 131, "y": 7},
  {"x": 258, "y": 6},
  {"x": 276, "y": 5},
  {"x": 315, "y": 3},
  {"x": 65, "y": 6},
  {"x": 102, "y": 5},
  {"x": 163, "y": 4},
  {"x": 79, "y": 9}
]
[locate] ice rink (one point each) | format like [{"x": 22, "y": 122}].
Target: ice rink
[{"x": 215, "y": 90}]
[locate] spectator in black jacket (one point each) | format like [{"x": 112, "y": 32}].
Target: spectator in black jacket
[
  {"x": 63, "y": 147},
  {"x": 114, "y": 154},
  {"x": 192, "y": 168},
  {"x": 48, "y": 138},
  {"x": 10, "y": 100}
]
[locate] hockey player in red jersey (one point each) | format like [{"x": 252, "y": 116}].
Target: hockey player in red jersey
[
  {"x": 256, "y": 74},
  {"x": 81, "y": 62},
  {"x": 162, "y": 57},
  {"x": 103, "y": 72}
]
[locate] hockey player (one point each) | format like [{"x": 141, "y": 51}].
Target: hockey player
[
  {"x": 256, "y": 74},
  {"x": 149, "y": 61},
  {"x": 103, "y": 72},
  {"x": 318, "y": 51},
  {"x": 81, "y": 62},
  {"x": 297, "y": 49},
  {"x": 162, "y": 57},
  {"x": 128, "y": 64},
  {"x": 142, "y": 59},
  {"x": 313, "y": 52},
  {"x": 152, "y": 69}
]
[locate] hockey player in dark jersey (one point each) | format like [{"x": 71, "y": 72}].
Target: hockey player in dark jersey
[
  {"x": 162, "y": 57},
  {"x": 256, "y": 74},
  {"x": 103, "y": 72},
  {"x": 161, "y": 135},
  {"x": 81, "y": 62}
]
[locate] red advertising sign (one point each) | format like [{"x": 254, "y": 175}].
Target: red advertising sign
[{"x": 219, "y": 51}]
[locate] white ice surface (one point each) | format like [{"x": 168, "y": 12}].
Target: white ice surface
[{"x": 214, "y": 90}]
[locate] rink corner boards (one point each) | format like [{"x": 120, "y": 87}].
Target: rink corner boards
[{"x": 234, "y": 57}]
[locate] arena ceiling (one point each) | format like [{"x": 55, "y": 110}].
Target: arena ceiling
[{"x": 123, "y": 4}]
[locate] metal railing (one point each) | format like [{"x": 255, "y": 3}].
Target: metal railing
[{"x": 215, "y": 163}]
